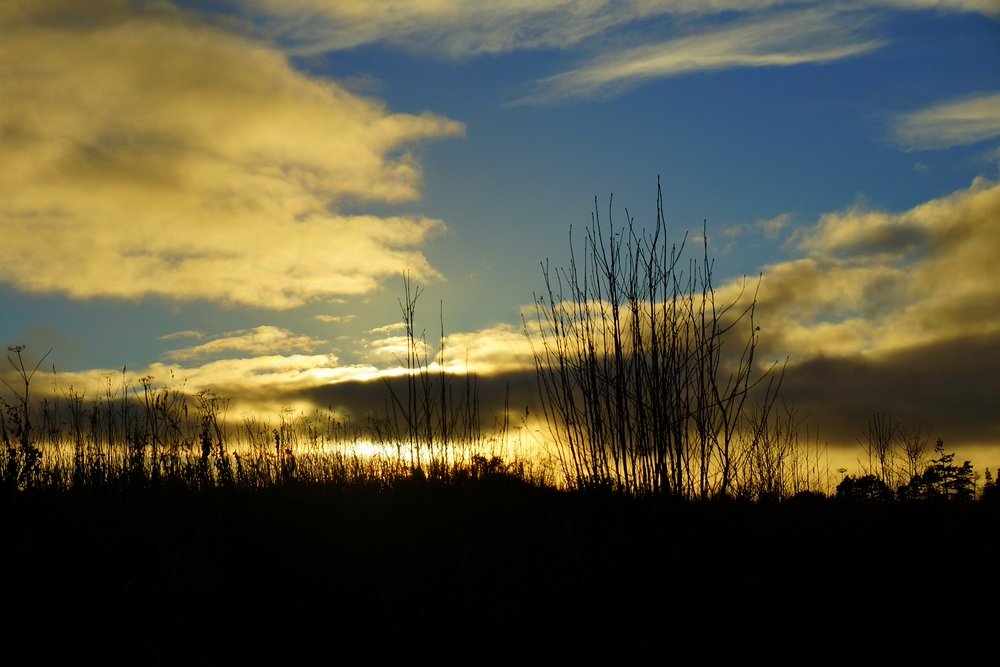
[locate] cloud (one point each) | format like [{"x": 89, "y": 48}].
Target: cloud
[
  {"x": 187, "y": 333},
  {"x": 501, "y": 348},
  {"x": 467, "y": 28},
  {"x": 266, "y": 369},
  {"x": 680, "y": 36},
  {"x": 388, "y": 328},
  {"x": 947, "y": 385},
  {"x": 781, "y": 40},
  {"x": 891, "y": 311},
  {"x": 334, "y": 319},
  {"x": 461, "y": 28},
  {"x": 951, "y": 123},
  {"x": 393, "y": 351},
  {"x": 259, "y": 341},
  {"x": 984, "y": 7},
  {"x": 143, "y": 153},
  {"x": 910, "y": 278},
  {"x": 773, "y": 227},
  {"x": 770, "y": 228},
  {"x": 262, "y": 385}
]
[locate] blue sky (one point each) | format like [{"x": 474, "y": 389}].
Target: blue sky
[{"x": 230, "y": 191}]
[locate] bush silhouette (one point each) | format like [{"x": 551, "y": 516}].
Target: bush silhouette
[{"x": 867, "y": 488}]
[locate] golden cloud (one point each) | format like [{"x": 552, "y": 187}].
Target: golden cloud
[
  {"x": 875, "y": 283},
  {"x": 495, "y": 350},
  {"x": 144, "y": 153},
  {"x": 262, "y": 385},
  {"x": 259, "y": 341}
]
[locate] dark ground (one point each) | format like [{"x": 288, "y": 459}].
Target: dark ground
[{"x": 490, "y": 572}]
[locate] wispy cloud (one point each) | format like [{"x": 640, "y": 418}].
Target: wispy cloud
[
  {"x": 334, "y": 319},
  {"x": 259, "y": 341},
  {"x": 782, "y": 40},
  {"x": 187, "y": 333},
  {"x": 679, "y": 36},
  {"x": 951, "y": 123},
  {"x": 467, "y": 28},
  {"x": 388, "y": 328},
  {"x": 462, "y": 28},
  {"x": 145, "y": 153},
  {"x": 984, "y": 7},
  {"x": 772, "y": 227}
]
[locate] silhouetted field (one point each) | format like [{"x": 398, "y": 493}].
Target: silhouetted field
[{"x": 487, "y": 570}]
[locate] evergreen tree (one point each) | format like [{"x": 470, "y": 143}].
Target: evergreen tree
[
  {"x": 991, "y": 491},
  {"x": 942, "y": 479}
]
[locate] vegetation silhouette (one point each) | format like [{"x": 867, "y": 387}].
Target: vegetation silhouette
[
  {"x": 637, "y": 381},
  {"x": 689, "y": 518}
]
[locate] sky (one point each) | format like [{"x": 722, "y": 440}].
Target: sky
[{"x": 227, "y": 194}]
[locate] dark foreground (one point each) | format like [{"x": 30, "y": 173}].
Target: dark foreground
[{"x": 489, "y": 572}]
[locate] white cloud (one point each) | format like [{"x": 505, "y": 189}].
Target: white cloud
[
  {"x": 143, "y": 153},
  {"x": 951, "y": 123}
]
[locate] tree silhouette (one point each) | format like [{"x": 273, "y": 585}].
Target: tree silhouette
[
  {"x": 867, "y": 488},
  {"x": 991, "y": 490},
  {"x": 942, "y": 479}
]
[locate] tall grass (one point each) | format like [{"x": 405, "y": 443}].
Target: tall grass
[
  {"x": 434, "y": 417},
  {"x": 139, "y": 433},
  {"x": 647, "y": 382}
]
